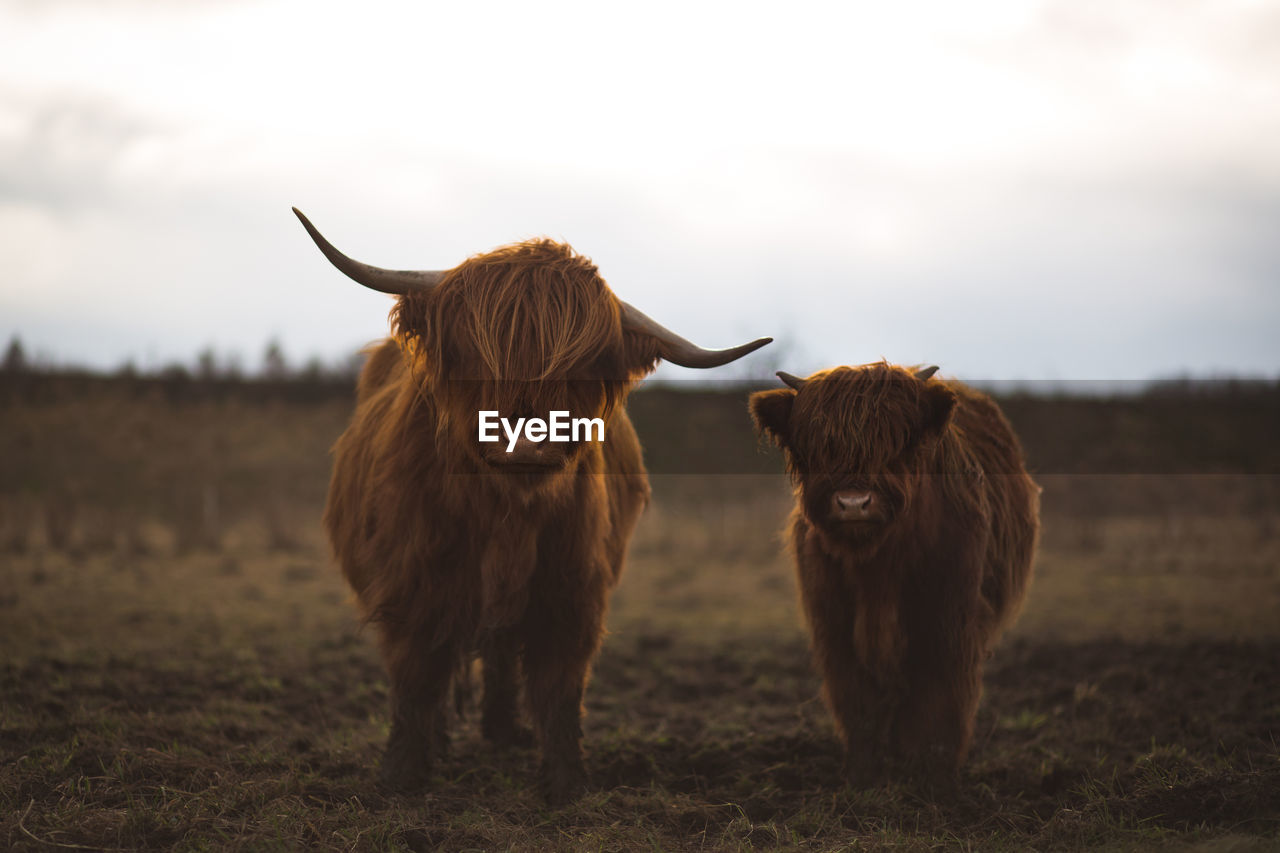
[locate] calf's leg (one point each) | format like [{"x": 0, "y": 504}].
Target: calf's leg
[
  {"x": 935, "y": 724},
  {"x": 860, "y": 703}
]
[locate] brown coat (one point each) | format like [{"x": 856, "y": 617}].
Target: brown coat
[
  {"x": 913, "y": 537},
  {"x": 454, "y": 547}
]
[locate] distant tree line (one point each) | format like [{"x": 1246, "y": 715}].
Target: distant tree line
[
  {"x": 208, "y": 365},
  {"x": 208, "y": 376},
  {"x": 275, "y": 371}
]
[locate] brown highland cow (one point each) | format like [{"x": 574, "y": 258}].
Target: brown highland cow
[
  {"x": 913, "y": 537},
  {"x": 456, "y": 547}
]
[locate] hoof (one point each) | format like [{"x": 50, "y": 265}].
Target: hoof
[
  {"x": 860, "y": 774},
  {"x": 403, "y": 774},
  {"x": 934, "y": 785},
  {"x": 933, "y": 774},
  {"x": 563, "y": 786}
]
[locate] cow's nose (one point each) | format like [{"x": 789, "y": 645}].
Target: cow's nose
[
  {"x": 526, "y": 454},
  {"x": 529, "y": 451},
  {"x": 854, "y": 505}
]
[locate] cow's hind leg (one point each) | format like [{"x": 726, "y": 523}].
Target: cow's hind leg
[
  {"x": 499, "y": 721},
  {"x": 419, "y": 687}
]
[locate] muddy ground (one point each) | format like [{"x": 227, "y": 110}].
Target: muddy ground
[{"x": 180, "y": 667}]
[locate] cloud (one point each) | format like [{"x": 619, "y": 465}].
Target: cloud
[
  {"x": 46, "y": 8},
  {"x": 1008, "y": 189},
  {"x": 68, "y": 151}
]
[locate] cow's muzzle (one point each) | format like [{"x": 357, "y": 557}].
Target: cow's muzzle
[
  {"x": 529, "y": 457},
  {"x": 857, "y": 505}
]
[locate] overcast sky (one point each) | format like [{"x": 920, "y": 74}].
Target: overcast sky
[{"x": 1012, "y": 190}]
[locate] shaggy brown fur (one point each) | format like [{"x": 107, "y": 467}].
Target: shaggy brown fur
[
  {"x": 913, "y": 537},
  {"x": 450, "y": 549}
]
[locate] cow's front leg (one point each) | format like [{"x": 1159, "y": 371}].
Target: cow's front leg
[
  {"x": 561, "y": 634},
  {"x": 419, "y": 684},
  {"x": 499, "y": 721},
  {"x": 865, "y": 707}
]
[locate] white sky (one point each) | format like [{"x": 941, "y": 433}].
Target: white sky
[{"x": 1013, "y": 190}]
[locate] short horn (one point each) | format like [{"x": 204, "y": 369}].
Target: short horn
[
  {"x": 926, "y": 372},
  {"x": 792, "y": 381},
  {"x": 399, "y": 282},
  {"x": 676, "y": 349}
]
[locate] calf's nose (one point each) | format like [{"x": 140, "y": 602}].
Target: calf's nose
[{"x": 854, "y": 505}]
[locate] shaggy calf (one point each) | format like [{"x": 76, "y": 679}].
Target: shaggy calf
[
  {"x": 456, "y": 546},
  {"x": 913, "y": 537}
]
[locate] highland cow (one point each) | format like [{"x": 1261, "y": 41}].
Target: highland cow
[
  {"x": 456, "y": 547},
  {"x": 913, "y": 536}
]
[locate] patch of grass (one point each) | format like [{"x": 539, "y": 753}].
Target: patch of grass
[{"x": 155, "y": 695}]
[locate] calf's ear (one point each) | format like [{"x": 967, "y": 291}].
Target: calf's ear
[
  {"x": 936, "y": 406},
  {"x": 771, "y": 411}
]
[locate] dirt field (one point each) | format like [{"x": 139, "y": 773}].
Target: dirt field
[{"x": 180, "y": 667}]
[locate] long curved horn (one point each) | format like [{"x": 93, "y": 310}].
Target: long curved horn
[
  {"x": 399, "y": 282},
  {"x": 926, "y": 372},
  {"x": 793, "y": 381},
  {"x": 676, "y": 349}
]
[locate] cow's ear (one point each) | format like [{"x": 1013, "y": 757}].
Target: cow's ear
[
  {"x": 771, "y": 411},
  {"x": 936, "y": 406},
  {"x": 639, "y": 354}
]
